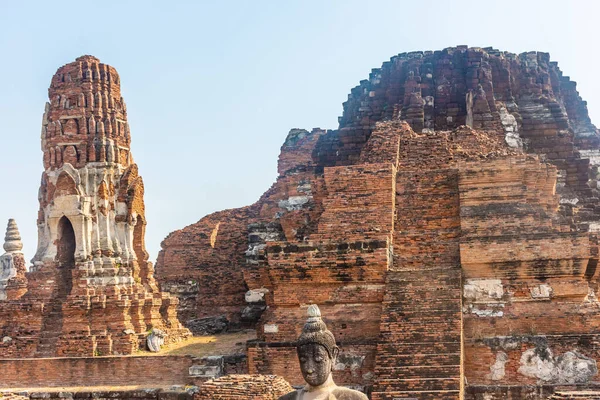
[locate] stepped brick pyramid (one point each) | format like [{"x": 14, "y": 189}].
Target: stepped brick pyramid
[
  {"x": 91, "y": 289},
  {"x": 448, "y": 230}
]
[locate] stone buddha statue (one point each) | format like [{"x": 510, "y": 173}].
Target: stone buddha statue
[{"x": 317, "y": 353}]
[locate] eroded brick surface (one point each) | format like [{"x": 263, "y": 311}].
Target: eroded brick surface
[
  {"x": 233, "y": 387},
  {"x": 96, "y": 371},
  {"x": 447, "y": 229}
]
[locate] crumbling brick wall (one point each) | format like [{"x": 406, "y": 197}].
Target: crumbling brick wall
[
  {"x": 454, "y": 205},
  {"x": 96, "y": 371}
]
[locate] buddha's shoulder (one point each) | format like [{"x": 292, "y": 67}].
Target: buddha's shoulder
[
  {"x": 289, "y": 396},
  {"x": 342, "y": 393},
  {"x": 339, "y": 393}
]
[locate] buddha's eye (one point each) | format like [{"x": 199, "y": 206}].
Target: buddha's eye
[
  {"x": 303, "y": 359},
  {"x": 319, "y": 359}
]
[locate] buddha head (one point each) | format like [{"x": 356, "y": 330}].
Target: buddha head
[{"x": 316, "y": 348}]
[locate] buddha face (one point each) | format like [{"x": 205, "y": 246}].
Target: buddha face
[{"x": 315, "y": 363}]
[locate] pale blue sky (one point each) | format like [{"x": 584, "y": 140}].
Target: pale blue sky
[{"x": 212, "y": 88}]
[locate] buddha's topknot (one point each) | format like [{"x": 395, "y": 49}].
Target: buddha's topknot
[{"x": 315, "y": 331}]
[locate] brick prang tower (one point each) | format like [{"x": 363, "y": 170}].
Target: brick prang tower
[{"x": 103, "y": 297}]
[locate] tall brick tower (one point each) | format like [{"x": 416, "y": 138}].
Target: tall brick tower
[{"x": 91, "y": 223}]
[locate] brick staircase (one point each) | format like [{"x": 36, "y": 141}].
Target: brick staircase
[
  {"x": 419, "y": 353},
  {"x": 53, "y": 320}
]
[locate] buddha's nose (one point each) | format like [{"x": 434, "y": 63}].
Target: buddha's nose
[{"x": 309, "y": 371}]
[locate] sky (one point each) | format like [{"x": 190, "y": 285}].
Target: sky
[{"x": 213, "y": 87}]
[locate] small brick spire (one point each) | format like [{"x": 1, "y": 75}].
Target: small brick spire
[{"x": 12, "y": 240}]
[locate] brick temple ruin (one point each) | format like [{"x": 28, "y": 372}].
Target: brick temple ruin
[
  {"x": 448, "y": 231},
  {"x": 91, "y": 289}
]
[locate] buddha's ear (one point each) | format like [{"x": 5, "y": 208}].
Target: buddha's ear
[{"x": 336, "y": 352}]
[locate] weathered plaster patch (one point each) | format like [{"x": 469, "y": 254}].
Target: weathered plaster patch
[
  {"x": 304, "y": 187},
  {"x": 568, "y": 368},
  {"x": 271, "y": 328},
  {"x": 469, "y": 103},
  {"x": 256, "y": 295},
  {"x": 591, "y": 296},
  {"x": 490, "y": 313},
  {"x": 254, "y": 250},
  {"x": 572, "y": 201},
  {"x": 497, "y": 369},
  {"x": 543, "y": 291},
  {"x": 259, "y": 234},
  {"x": 574, "y": 367},
  {"x": 294, "y": 202},
  {"x": 511, "y": 127},
  {"x": 594, "y": 227},
  {"x": 538, "y": 363},
  {"x": 483, "y": 289}
]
